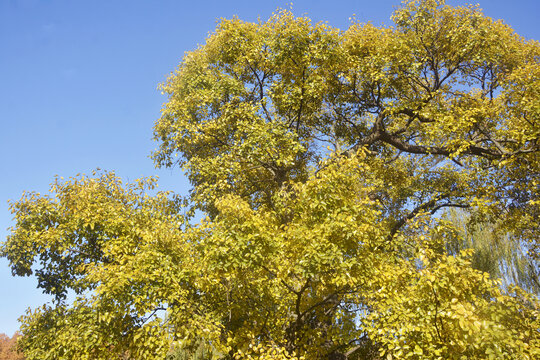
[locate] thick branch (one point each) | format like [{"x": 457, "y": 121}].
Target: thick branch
[{"x": 430, "y": 206}]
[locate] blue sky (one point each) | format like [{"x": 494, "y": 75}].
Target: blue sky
[{"x": 78, "y": 88}]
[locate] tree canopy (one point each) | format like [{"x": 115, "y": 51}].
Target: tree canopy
[{"x": 322, "y": 161}]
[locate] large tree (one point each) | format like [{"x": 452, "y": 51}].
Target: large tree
[{"x": 322, "y": 161}]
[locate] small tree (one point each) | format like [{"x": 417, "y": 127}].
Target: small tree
[{"x": 8, "y": 347}]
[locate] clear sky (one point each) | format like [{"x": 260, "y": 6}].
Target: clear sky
[{"x": 78, "y": 88}]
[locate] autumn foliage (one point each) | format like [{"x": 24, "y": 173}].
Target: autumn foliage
[
  {"x": 8, "y": 349},
  {"x": 324, "y": 164}
]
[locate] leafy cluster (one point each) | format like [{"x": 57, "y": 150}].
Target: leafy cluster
[{"x": 322, "y": 160}]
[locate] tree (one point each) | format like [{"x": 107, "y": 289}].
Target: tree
[
  {"x": 8, "y": 348},
  {"x": 322, "y": 160},
  {"x": 494, "y": 253}
]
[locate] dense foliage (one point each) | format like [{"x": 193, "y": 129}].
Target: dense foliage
[
  {"x": 8, "y": 347},
  {"x": 322, "y": 161}
]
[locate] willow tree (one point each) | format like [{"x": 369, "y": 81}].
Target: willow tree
[
  {"x": 322, "y": 160},
  {"x": 494, "y": 253}
]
